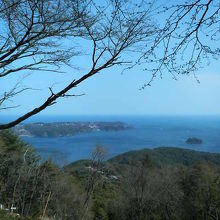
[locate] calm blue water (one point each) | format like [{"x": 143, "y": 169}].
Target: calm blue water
[{"x": 148, "y": 132}]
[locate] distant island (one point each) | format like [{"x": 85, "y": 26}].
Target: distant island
[
  {"x": 62, "y": 129},
  {"x": 193, "y": 140}
]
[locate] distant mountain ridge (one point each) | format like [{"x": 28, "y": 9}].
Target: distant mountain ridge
[
  {"x": 168, "y": 155},
  {"x": 160, "y": 156}
]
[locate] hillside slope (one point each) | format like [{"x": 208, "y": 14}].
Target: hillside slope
[
  {"x": 168, "y": 155},
  {"x": 159, "y": 156}
]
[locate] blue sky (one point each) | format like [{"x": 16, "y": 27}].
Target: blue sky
[{"x": 113, "y": 93}]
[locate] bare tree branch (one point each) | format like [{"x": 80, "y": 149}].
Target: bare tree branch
[
  {"x": 186, "y": 40},
  {"x": 112, "y": 29}
]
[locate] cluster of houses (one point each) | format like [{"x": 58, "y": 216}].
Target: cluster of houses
[
  {"x": 105, "y": 175},
  {"x": 10, "y": 210}
]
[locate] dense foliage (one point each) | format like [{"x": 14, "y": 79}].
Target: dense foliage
[
  {"x": 34, "y": 187},
  {"x": 164, "y": 183}
]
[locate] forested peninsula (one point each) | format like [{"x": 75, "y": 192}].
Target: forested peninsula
[{"x": 61, "y": 129}]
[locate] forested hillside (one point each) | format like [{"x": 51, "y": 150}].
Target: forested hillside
[
  {"x": 168, "y": 155},
  {"x": 34, "y": 187},
  {"x": 164, "y": 183}
]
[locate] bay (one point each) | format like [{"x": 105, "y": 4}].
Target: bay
[{"x": 147, "y": 132}]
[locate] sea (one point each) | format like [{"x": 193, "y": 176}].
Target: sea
[{"x": 148, "y": 132}]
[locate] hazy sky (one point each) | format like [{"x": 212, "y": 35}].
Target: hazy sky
[{"x": 112, "y": 93}]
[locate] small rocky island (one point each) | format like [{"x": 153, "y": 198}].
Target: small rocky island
[
  {"x": 62, "y": 129},
  {"x": 194, "y": 140}
]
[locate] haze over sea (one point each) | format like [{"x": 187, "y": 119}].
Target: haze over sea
[{"x": 148, "y": 132}]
